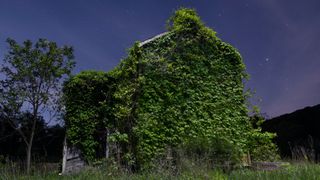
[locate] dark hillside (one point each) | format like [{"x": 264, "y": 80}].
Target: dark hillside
[{"x": 298, "y": 133}]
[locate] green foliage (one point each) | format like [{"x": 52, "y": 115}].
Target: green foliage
[
  {"x": 108, "y": 170},
  {"x": 182, "y": 89},
  {"x": 260, "y": 143},
  {"x": 295, "y": 171},
  {"x": 32, "y": 82},
  {"x": 185, "y": 20},
  {"x": 33, "y": 73},
  {"x": 187, "y": 84},
  {"x": 87, "y": 98}
]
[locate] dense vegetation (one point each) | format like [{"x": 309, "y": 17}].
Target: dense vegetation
[
  {"x": 297, "y": 171},
  {"x": 181, "y": 94},
  {"x": 88, "y": 100},
  {"x": 31, "y": 78},
  {"x": 174, "y": 108}
]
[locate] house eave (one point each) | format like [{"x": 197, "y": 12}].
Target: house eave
[{"x": 152, "y": 39}]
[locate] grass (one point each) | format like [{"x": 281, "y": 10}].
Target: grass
[
  {"x": 292, "y": 172},
  {"x": 298, "y": 171}
]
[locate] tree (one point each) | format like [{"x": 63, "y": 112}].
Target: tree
[{"x": 33, "y": 74}]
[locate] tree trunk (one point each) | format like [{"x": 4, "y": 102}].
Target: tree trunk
[
  {"x": 29, "y": 148},
  {"x": 29, "y": 145}
]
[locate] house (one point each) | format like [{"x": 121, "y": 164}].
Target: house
[{"x": 181, "y": 89}]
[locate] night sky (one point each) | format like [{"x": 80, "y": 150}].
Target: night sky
[{"x": 279, "y": 40}]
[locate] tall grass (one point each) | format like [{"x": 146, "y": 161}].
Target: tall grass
[
  {"x": 16, "y": 170},
  {"x": 296, "y": 171}
]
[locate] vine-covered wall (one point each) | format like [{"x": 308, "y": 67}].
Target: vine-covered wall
[
  {"x": 184, "y": 89},
  {"x": 88, "y": 97},
  {"x": 191, "y": 90}
]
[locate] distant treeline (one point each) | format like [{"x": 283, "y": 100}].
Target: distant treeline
[{"x": 47, "y": 144}]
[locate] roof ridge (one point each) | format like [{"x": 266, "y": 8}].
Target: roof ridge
[{"x": 152, "y": 39}]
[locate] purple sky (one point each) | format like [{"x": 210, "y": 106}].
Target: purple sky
[{"x": 279, "y": 39}]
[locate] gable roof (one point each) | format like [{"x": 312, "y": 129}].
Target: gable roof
[{"x": 152, "y": 39}]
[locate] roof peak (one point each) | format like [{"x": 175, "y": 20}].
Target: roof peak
[{"x": 152, "y": 39}]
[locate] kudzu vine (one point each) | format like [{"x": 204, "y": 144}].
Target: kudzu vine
[{"x": 180, "y": 90}]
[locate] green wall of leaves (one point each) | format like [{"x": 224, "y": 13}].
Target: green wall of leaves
[{"x": 183, "y": 87}]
